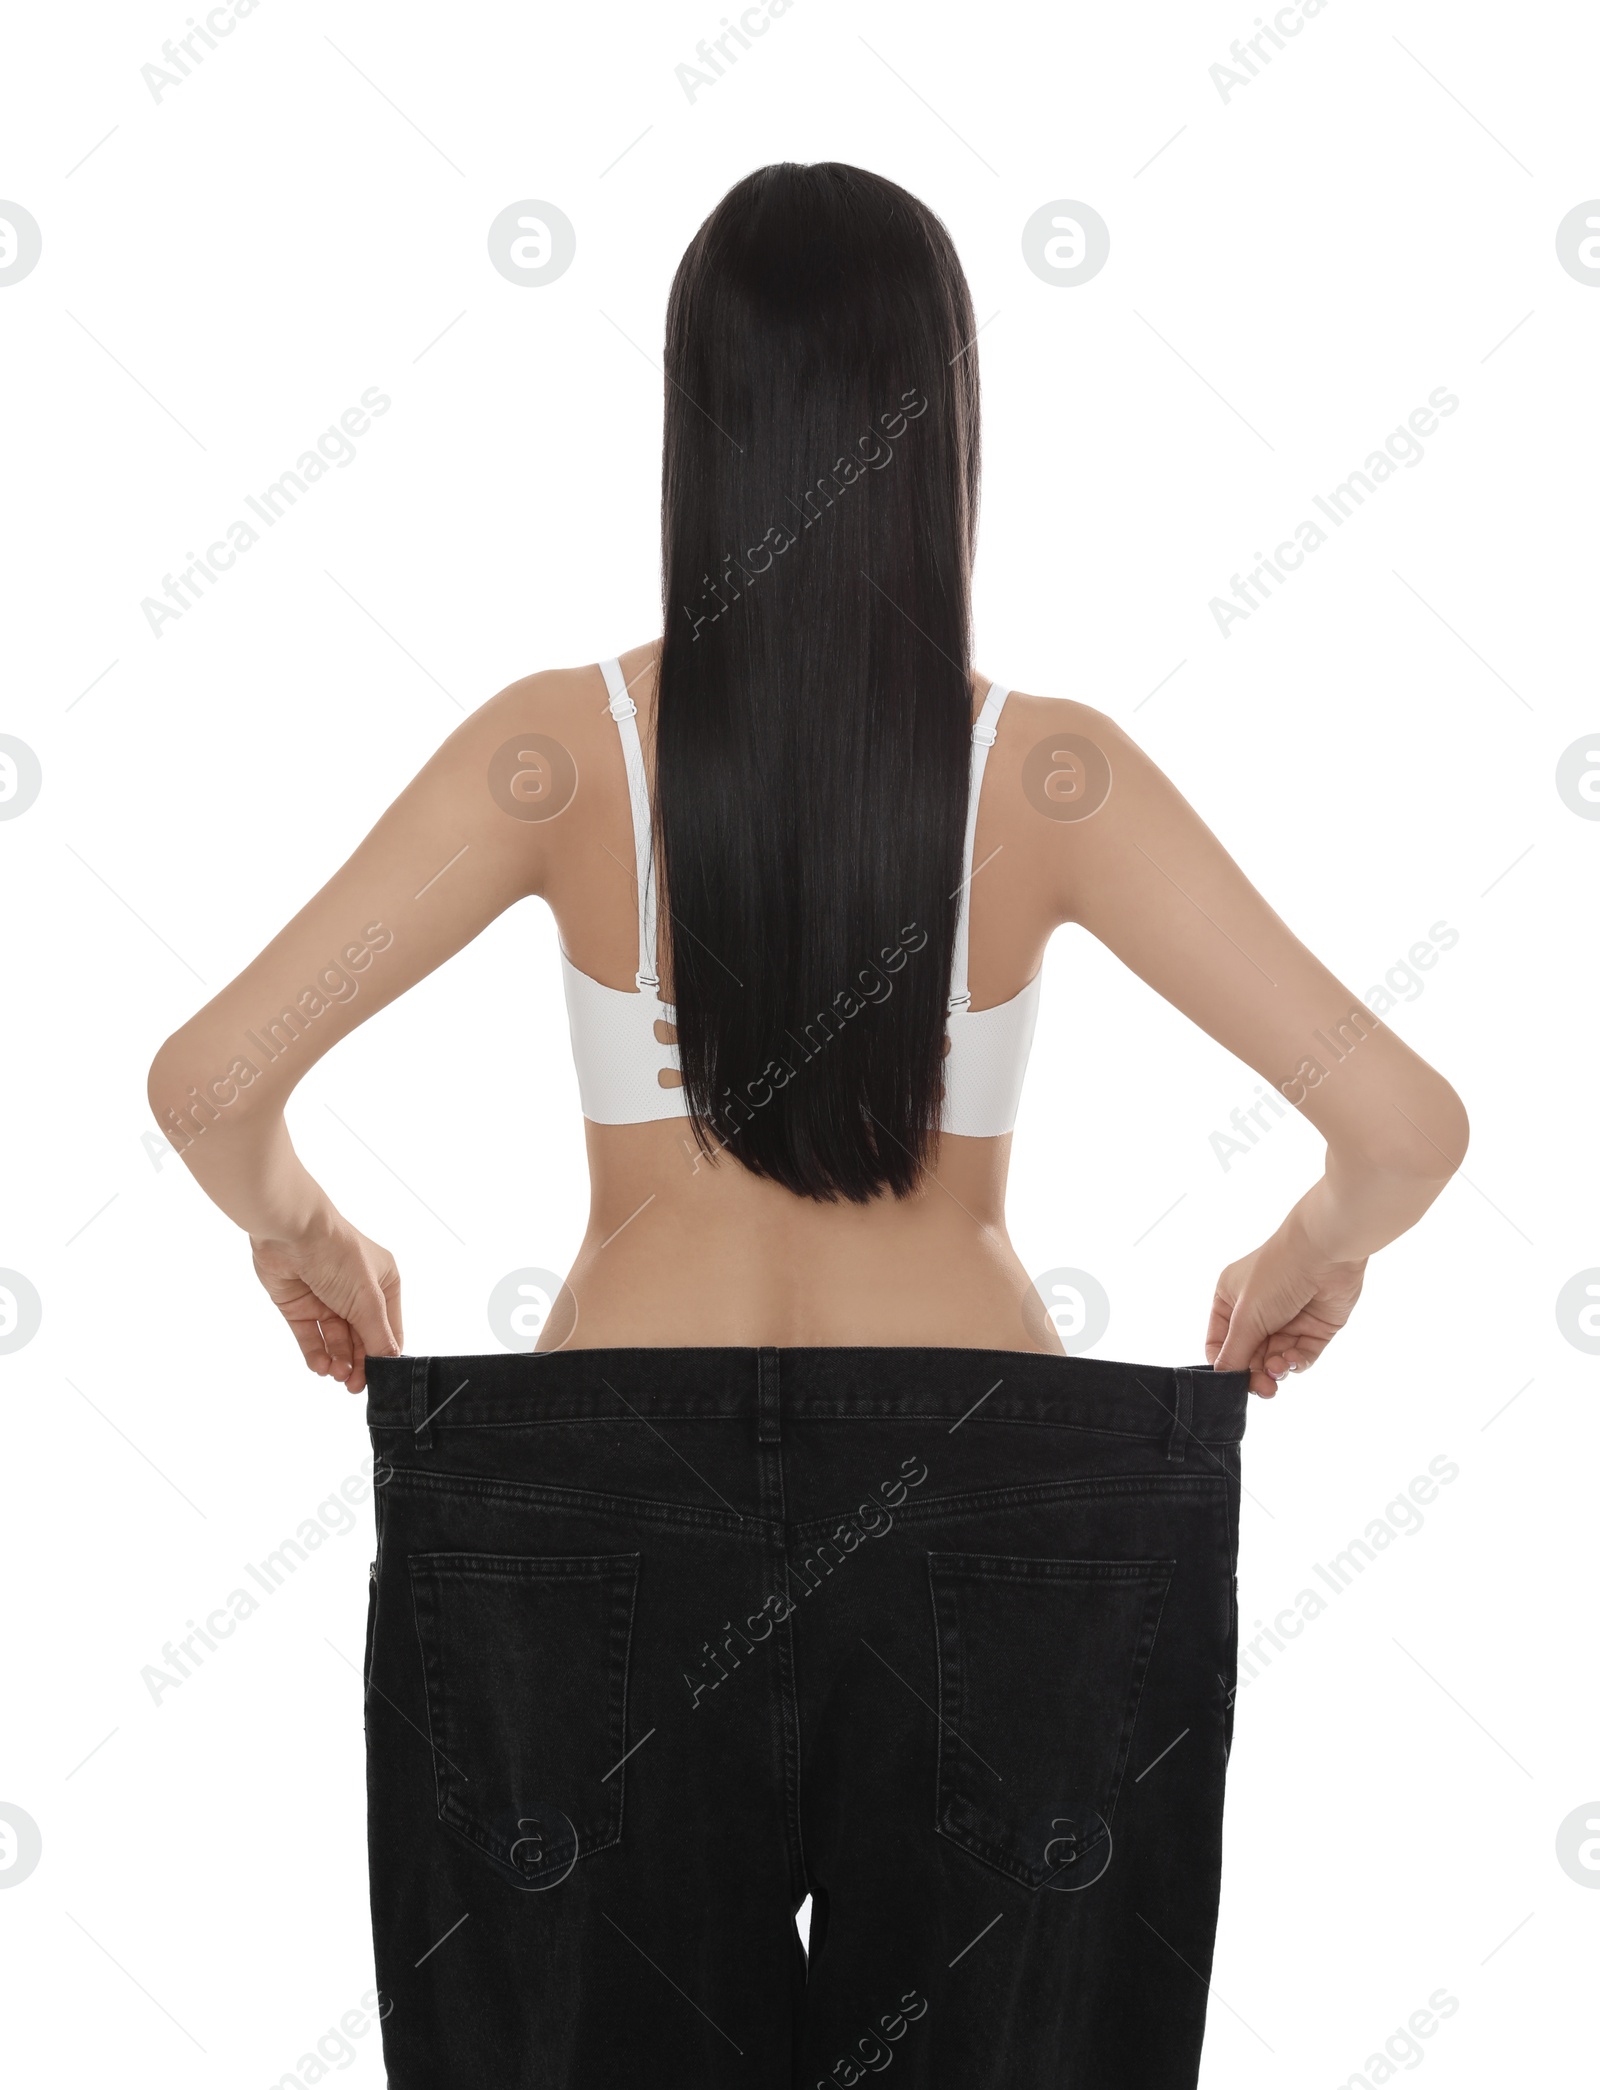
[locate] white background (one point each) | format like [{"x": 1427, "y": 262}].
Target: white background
[{"x": 1292, "y": 271}]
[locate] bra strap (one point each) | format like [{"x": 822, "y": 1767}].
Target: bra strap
[
  {"x": 624, "y": 710},
  {"x": 985, "y": 731}
]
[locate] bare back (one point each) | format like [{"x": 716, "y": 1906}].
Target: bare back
[
  {"x": 680, "y": 1249},
  {"x": 685, "y": 1249}
]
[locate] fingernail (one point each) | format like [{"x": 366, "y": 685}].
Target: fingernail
[{"x": 1276, "y": 1371}]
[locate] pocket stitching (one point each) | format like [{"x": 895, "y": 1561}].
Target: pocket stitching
[
  {"x": 1157, "y": 1574},
  {"x": 619, "y": 1572}
]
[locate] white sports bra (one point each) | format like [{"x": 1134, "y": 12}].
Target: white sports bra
[{"x": 621, "y": 1060}]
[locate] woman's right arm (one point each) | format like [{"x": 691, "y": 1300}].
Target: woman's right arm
[
  {"x": 1145, "y": 875},
  {"x": 464, "y": 840}
]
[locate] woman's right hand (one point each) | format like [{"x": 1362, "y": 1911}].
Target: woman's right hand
[
  {"x": 339, "y": 1293},
  {"x": 1276, "y": 1310}
]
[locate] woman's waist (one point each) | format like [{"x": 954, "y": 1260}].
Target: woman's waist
[
  {"x": 826, "y": 1283},
  {"x": 652, "y": 1385}
]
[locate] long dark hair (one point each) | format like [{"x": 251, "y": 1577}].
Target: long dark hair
[{"x": 819, "y": 512}]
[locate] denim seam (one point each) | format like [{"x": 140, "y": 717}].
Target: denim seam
[
  {"x": 1153, "y": 1633},
  {"x": 520, "y": 1567},
  {"x": 541, "y": 1494},
  {"x": 420, "y": 1419},
  {"x": 1230, "y": 1636},
  {"x": 624, "y": 1627},
  {"x": 992, "y": 1416},
  {"x": 786, "y": 1709},
  {"x": 427, "y": 1695},
  {"x": 1001, "y": 1567},
  {"x": 1182, "y": 1414},
  {"x": 803, "y": 1412},
  {"x": 977, "y": 1501}
]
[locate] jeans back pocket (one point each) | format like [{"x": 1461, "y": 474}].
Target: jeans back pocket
[
  {"x": 1041, "y": 1664},
  {"x": 525, "y": 1666}
]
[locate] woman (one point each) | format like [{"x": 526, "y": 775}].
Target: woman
[{"x": 799, "y": 1560}]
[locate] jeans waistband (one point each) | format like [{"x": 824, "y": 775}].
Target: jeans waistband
[{"x": 522, "y": 1390}]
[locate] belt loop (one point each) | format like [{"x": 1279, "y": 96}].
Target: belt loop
[
  {"x": 421, "y": 1428},
  {"x": 1182, "y": 1414},
  {"x": 768, "y": 1430}
]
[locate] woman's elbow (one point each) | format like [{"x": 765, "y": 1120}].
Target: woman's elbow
[
  {"x": 1421, "y": 1134},
  {"x": 174, "y": 1072},
  {"x": 1460, "y": 1128},
  {"x": 195, "y": 1092}
]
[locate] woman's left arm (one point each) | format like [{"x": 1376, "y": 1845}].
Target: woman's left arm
[{"x": 443, "y": 861}]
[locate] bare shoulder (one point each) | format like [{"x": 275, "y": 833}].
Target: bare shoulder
[
  {"x": 570, "y": 704},
  {"x": 1065, "y": 758},
  {"x": 1082, "y": 799},
  {"x": 1028, "y": 719},
  {"x": 544, "y": 753},
  {"x": 558, "y": 701},
  {"x": 553, "y": 722}
]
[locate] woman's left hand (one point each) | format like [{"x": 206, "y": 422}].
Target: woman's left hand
[
  {"x": 1277, "y": 1309},
  {"x": 339, "y": 1293}
]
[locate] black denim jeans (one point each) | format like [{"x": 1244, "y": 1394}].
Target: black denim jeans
[{"x": 662, "y": 1641}]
